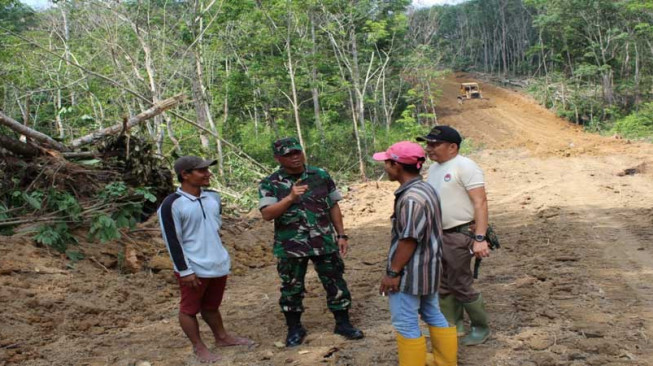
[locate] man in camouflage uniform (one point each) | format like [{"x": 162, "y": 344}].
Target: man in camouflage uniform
[{"x": 303, "y": 202}]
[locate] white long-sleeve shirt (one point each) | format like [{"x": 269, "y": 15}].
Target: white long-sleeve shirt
[{"x": 190, "y": 226}]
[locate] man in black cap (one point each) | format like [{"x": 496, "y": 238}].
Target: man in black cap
[
  {"x": 190, "y": 220},
  {"x": 303, "y": 202},
  {"x": 460, "y": 184}
]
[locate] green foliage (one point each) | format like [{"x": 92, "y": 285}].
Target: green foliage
[
  {"x": 407, "y": 127},
  {"x": 15, "y": 15},
  {"x": 74, "y": 257},
  {"x": 127, "y": 207},
  {"x": 4, "y": 215},
  {"x": 407, "y": 117},
  {"x": 145, "y": 193},
  {"x": 469, "y": 146},
  {"x": 56, "y": 236},
  {"x": 113, "y": 191},
  {"x": 64, "y": 203},
  {"x": 104, "y": 228},
  {"x": 639, "y": 124},
  {"x": 32, "y": 199},
  {"x": 121, "y": 207}
]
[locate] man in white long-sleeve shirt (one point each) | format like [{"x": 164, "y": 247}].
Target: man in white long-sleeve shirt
[{"x": 190, "y": 220}]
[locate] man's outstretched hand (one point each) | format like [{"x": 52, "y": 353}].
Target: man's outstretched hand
[{"x": 298, "y": 190}]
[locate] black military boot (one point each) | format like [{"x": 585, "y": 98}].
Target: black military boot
[
  {"x": 296, "y": 332},
  {"x": 344, "y": 327}
]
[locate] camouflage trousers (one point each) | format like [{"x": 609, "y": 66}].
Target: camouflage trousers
[{"x": 329, "y": 268}]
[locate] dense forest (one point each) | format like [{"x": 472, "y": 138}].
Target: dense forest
[
  {"x": 341, "y": 75},
  {"x": 345, "y": 76},
  {"x": 590, "y": 60}
]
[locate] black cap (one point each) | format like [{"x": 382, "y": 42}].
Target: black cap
[
  {"x": 192, "y": 162},
  {"x": 442, "y": 133}
]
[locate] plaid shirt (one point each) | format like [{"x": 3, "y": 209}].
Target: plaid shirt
[
  {"x": 305, "y": 229},
  {"x": 417, "y": 215}
]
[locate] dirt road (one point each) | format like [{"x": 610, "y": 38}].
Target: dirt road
[{"x": 570, "y": 286}]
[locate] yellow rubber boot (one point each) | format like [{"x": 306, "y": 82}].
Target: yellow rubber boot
[
  {"x": 412, "y": 351},
  {"x": 445, "y": 346},
  {"x": 430, "y": 360}
]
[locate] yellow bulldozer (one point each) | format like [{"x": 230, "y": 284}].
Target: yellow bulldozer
[{"x": 469, "y": 91}]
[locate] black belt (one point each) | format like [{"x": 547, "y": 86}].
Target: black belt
[{"x": 459, "y": 228}]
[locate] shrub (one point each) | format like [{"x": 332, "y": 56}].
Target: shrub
[{"x": 638, "y": 124}]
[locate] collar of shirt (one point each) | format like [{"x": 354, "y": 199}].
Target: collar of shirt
[
  {"x": 190, "y": 196},
  {"x": 407, "y": 185},
  {"x": 285, "y": 175}
]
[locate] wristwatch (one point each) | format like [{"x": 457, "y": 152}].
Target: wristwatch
[
  {"x": 342, "y": 236},
  {"x": 479, "y": 237},
  {"x": 392, "y": 274}
]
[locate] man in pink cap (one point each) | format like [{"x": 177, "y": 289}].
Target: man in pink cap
[{"x": 413, "y": 268}]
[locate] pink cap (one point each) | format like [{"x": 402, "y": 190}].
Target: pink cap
[{"x": 404, "y": 152}]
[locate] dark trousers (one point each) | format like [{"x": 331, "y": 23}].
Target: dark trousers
[
  {"x": 329, "y": 268},
  {"x": 457, "y": 276}
]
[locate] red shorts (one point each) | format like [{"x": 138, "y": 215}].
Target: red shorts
[{"x": 208, "y": 296}]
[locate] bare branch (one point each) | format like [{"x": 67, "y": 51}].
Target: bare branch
[{"x": 131, "y": 122}]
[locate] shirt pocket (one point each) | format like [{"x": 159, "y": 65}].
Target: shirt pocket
[
  {"x": 318, "y": 199},
  {"x": 293, "y": 215}
]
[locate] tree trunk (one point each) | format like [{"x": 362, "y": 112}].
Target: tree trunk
[
  {"x": 608, "y": 92},
  {"x": 638, "y": 97},
  {"x": 57, "y": 116},
  {"x": 225, "y": 112},
  {"x": 203, "y": 93},
  {"x": 17, "y": 147},
  {"x": 361, "y": 164},
  {"x": 171, "y": 134},
  {"x": 294, "y": 101},
  {"x": 37, "y": 136},
  {"x": 503, "y": 37},
  {"x": 155, "y": 130},
  {"x": 200, "y": 111},
  {"x": 359, "y": 93},
  {"x": 66, "y": 38},
  {"x": 314, "y": 90}
]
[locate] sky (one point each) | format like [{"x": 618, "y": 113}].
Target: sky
[
  {"x": 424, "y": 3},
  {"x": 37, "y": 4},
  {"x": 40, "y": 4}
]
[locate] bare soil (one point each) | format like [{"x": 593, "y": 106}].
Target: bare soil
[{"x": 571, "y": 284}]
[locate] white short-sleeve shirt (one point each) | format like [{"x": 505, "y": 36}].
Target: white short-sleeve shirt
[{"x": 452, "y": 179}]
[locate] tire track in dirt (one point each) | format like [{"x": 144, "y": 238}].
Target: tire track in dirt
[{"x": 554, "y": 295}]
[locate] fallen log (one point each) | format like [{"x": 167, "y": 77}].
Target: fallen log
[
  {"x": 81, "y": 155},
  {"x": 18, "y": 147},
  {"x": 156, "y": 109},
  {"x": 37, "y": 136}
]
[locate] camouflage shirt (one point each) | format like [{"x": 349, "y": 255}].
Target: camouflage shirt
[{"x": 305, "y": 229}]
